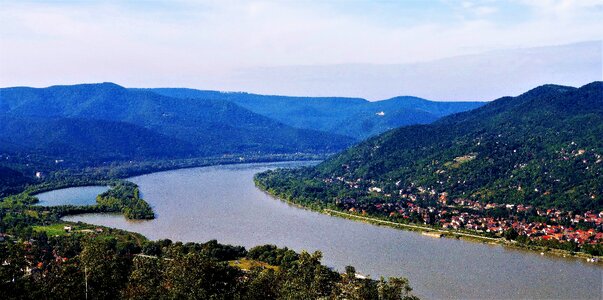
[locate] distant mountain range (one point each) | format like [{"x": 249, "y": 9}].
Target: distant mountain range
[
  {"x": 354, "y": 117},
  {"x": 106, "y": 121},
  {"x": 96, "y": 123},
  {"x": 544, "y": 147}
]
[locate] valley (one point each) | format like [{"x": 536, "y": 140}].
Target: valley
[
  {"x": 301, "y": 150},
  {"x": 487, "y": 176}
]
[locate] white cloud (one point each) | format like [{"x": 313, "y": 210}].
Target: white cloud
[
  {"x": 568, "y": 10},
  {"x": 478, "y": 9},
  {"x": 189, "y": 43}
]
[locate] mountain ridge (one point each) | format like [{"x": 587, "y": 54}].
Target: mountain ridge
[
  {"x": 544, "y": 148},
  {"x": 214, "y": 126},
  {"x": 354, "y": 117}
]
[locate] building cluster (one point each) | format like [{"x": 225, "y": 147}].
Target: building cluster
[{"x": 486, "y": 218}]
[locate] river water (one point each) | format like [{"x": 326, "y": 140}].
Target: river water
[
  {"x": 222, "y": 203},
  {"x": 82, "y": 195}
]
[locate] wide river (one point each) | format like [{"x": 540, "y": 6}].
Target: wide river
[{"x": 222, "y": 203}]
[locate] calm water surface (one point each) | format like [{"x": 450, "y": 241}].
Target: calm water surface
[
  {"x": 83, "y": 195},
  {"x": 222, "y": 203}
]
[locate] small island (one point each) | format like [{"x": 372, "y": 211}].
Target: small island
[{"x": 124, "y": 197}]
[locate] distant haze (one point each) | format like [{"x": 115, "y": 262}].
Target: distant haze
[{"x": 473, "y": 77}]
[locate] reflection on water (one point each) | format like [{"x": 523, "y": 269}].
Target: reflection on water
[{"x": 222, "y": 203}]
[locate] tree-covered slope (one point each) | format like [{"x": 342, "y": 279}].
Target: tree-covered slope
[
  {"x": 91, "y": 141},
  {"x": 11, "y": 181},
  {"x": 353, "y": 117},
  {"x": 544, "y": 147},
  {"x": 213, "y": 126}
]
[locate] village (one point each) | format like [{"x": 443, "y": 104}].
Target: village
[{"x": 423, "y": 206}]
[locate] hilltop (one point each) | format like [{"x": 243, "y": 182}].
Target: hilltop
[{"x": 354, "y": 117}]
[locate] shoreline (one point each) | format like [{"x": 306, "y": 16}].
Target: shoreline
[
  {"x": 484, "y": 251},
  {"x": 444, "y": 233},
  {"x": 77, "y": 180},
  {"x": 31, "y": 192},
  {"x": 335, "y": 213}
]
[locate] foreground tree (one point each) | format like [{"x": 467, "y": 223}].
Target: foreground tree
[
  {"x": 308, "y": 279},
  {"x": 105, "y": 270},
  {"x": 146, "y": 281},
  {"x": 197, "y": 276},
  {"x": 396, "y": 288},
  {"x": 352, "y": 288}
]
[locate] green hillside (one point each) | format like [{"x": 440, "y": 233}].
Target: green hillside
[
  {"x": 91, "y": 141},
  {"x": 213, "y": 126},
  {"x": 12, "y": 181},
  {"x": 544, "y": 147}
]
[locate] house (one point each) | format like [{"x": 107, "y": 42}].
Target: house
[
  {"x": 374, "y": 189},
  {"x": 443, "y": 198},
  {"x": 67, "y": 228}
]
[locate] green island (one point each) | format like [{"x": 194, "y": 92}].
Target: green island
[{"x": 124, "y": 197}]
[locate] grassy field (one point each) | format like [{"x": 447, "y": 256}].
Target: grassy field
[{"x": 54, "y": 229}]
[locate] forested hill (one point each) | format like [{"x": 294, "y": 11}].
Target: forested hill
[
  {"x": 212, "y": 127},
  {"x": 544, "y": 147},
  {"x": 353, "y": 117},
  {"x": 92, "y": 141},
  {"x": 12, "y": 181}
]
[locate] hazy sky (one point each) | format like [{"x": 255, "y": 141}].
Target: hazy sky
[{"x": 201, "y": 44}]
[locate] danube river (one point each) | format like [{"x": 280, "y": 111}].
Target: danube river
[{"x": 222, "y": 203}]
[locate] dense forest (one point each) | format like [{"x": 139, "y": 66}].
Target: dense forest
[
  {"x": 87, "y": 141},
  {"x": 543, "y": 148},
  {"x": 59, "y": 119},
  {"x": 12, "y": 181}
]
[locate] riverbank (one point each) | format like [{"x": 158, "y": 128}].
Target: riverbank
[
  {"x": 222, "y": 203},
  {"x": 422, "y": 228},
  {"x": 598, "y": 260},
  {"x": 426, "y": 229},
  {"x": 117, "y": 173},
  {"x": 104, "y": 175}
]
